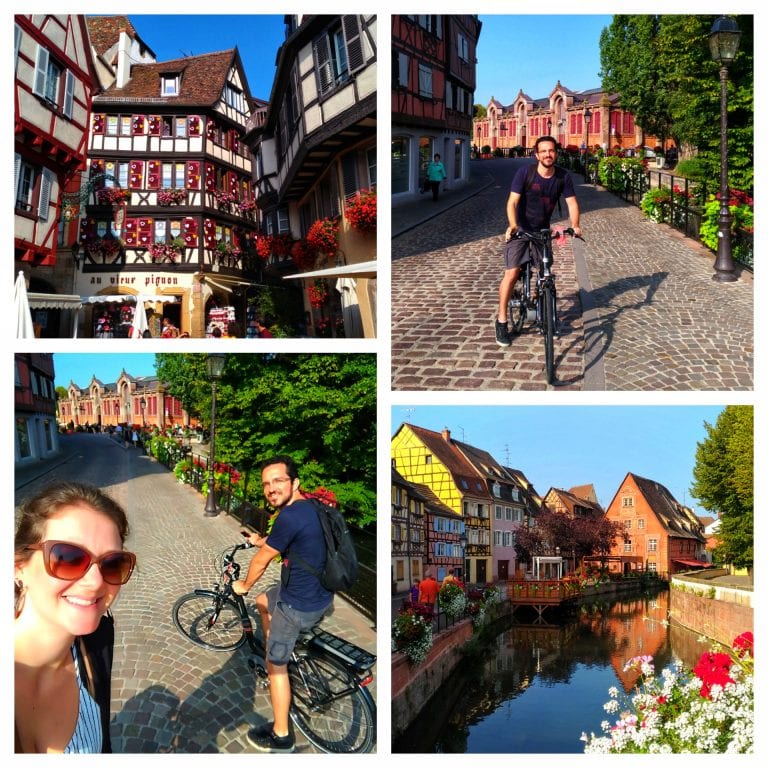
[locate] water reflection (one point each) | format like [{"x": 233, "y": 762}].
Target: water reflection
[{"x": 539, "y": 687}]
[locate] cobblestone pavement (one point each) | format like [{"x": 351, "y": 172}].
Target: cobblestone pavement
[
  {"x": 168, "y": 695},
  {"x": 637, "y": 302}
]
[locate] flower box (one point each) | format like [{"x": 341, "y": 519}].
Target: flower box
[
  {"x": 171, "y": 196},
  {"x": 323, "y": 236}
]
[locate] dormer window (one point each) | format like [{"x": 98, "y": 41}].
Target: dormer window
[{"x": 169, "y": 85}]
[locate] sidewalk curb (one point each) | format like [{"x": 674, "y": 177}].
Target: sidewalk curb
[{"x": 458, "y": 201}]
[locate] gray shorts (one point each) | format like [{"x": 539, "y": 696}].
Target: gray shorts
[
  {"x": 286, "y": 625},
  {"x": 518, "y": 252}
]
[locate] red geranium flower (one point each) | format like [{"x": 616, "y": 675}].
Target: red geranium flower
[{"x": 713, "y": 669}]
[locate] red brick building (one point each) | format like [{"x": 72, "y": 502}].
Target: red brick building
[{"x": 591, "y": 118}]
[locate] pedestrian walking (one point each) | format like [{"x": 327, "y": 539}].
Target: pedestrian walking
[
  {"x": 135, "y": 438},
  {"x": 436, "y": 175},
  {"x": 413, "y": 592},
  {"x": 428, "y": 589},
  {"x": 534, "y": 193},
  {"x": 63, "y": 631}
]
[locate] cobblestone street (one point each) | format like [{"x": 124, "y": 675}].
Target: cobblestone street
[
  {"x": 638, "y": 305},
  {"x": 169, "y": 695}
]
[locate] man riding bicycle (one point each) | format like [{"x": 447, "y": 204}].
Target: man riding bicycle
[
  {"x": 297, "y": 603},
  {"x": 534, "y": 193}
]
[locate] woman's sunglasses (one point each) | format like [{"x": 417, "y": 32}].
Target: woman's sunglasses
[{"x": 71, "y": 562}]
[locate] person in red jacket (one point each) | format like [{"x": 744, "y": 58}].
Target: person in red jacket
[{"x": 428, "y": 589}]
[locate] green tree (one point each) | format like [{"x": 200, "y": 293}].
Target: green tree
[
  {"x": 723, "y": 477},
  {"x": 662, "y": 70},
  {"x": 479, "y": 112},
  {"x": 61, "y": 393},
  {"x": 320, "y": 409}
]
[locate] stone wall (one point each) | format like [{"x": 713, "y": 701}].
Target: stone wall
[
  {"x": 718, "y": 612},
  {"x": 413, "y": 687}
]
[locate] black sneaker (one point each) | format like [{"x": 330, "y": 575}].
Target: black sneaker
[
  {"x": 502, "y": 334},
  {"x": 264, "y": 740}
]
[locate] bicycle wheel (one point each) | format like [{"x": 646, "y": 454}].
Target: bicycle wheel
[
  {"x": 209, "y": 620},
  {"x": 516, "y": 311},
  {"x": 548, "y": 327},
  {"x": 340, "y": 725}
]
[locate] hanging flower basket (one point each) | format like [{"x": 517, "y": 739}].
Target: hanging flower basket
[
  {"x": 281, "y": 244},
  {"x": 452, "y": 599},
  {"x": 225, "y": 200},
  {"x": 247, "y": 206},
  {"x": 323, "y": 236},
  {"x": 360, "y": 211},
  {"x": 264, "y": 246},
  {"x": 303, "y": 257},
  {"x": 318, "y": 293},
  {"x": 412, "y": 635},
  {"x": 227, "y": 250},
  {"x": 104, "y": 247},
  {"x": 171, "y": 196}
]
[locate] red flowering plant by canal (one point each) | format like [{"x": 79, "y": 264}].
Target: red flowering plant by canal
[
  {"x": 709, "y": 709},
  {"x": 452, "y": 598}
]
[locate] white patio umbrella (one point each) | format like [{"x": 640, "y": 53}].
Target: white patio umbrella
[
  {"x": 139, "y": 324},
  {"x": 25, "y": 328}
]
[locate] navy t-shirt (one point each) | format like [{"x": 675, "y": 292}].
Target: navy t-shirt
[
  {"x": 536, "y": 205},
  {"x": 297, "y": 530}
]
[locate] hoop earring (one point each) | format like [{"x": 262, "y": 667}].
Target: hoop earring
[{"x": 20, "y": 593}]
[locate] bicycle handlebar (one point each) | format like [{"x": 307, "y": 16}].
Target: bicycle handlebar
[{"x": 544, "y": 234}]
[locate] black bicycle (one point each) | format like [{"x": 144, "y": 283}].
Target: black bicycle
[
  {"x": 539, "y": 308},
  {"x": 330, "y": 703}
]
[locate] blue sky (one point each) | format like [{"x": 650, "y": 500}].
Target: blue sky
[
  {"x": 534, "y": 52},
  {"x": 564, "y": 446},
  {"x": 257, "y": 37},
  {"x": 104, "y": 365}
]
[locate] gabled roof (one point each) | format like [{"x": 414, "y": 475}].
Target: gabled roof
[
  {"x": 466, "y": 477},
  {"x": 527, "y": 489},
  {"x": 586, "y": 492},
  {"x": 571, "y": 501},
  {"x": 431, "y": 501},
  {"x": 202, "y": 80},
  {"x": 676, "y": 518}
]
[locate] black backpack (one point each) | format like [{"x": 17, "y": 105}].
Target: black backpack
[
  {"x": 559, "y": 175},
  {"x": 341, "y": 568}
]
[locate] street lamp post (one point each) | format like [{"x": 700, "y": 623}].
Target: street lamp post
[
  {"x": 463, "y": 544},
  {"x": 549, "y": 126},
  {"x": 587, "y": 121},
  {"x": 723, "y": 45},
  {"x": 215, "y": 363}
]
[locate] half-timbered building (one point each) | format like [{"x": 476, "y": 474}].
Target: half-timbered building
[
  {"x": 433, "y": 83},
  {"x": 168, "y": 200},
  {"x": 315, "y": 156},
  {"x": 35, "y": 434},
  {"x": 53, "y": 90},
  {"x": 433, "y": 459}
]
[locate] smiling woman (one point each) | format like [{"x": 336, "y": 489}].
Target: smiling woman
[{"x": 63, "y": 632}]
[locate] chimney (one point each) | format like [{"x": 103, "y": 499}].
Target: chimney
[
  {"x": 123, "y": 73},
  {"x": 446, "y": 435}
]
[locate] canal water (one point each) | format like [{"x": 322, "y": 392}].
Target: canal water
[{"x": 539, "y": 686}]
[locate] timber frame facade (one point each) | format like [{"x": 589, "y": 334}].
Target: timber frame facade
[
  {"x": 168, "y": 201},
  {"x": 54, "y": 87},
  {"x": 433, "y": 83},
  {"x": 314, "y": 152}
]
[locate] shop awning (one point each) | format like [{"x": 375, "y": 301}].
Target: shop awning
[
  {"x": 363, "y": 269},
  {"x": 53, "y": 301},
  {"x": 120, "y": 298},
  {"x": 693, "y": 563}
]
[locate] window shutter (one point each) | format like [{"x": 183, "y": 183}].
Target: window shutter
[
  {"x": 209, "y": 233},
  {"x": 350, "y": 26},
  {"x": 194, "y": 125},
  {"x": 323, "y": 64},
  {"x": 137, "y": 125},
  {"x": 69, "y": 94},
  {"x": 349, "y": 174},
  {"x": 41, "y": 71},
  {"x": 16, "y": 167},
  {"x": 210, "y": 177},
  {"x": 98, "y": 124},
  {"x": 145, "y": 233},
  {"x": 193, "y": 174},
  {"x": 155, "y": 125},
  {"x": 190, "y": 232},
  {"x": 153, "y": 174},
  {"x": 136, "y": 174},
  {"x": 131, "y": 232},
  {"x": 44, "y": 200}
]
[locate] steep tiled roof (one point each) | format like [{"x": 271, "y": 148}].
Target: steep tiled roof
[
  {"x": 572, "y": 500},
  {"x": 104, "y": 31},
  {"x": 452, "y": 459},
  {"x": 526, "y": 486},
  {"x": 432, "y": 502},
  {"x": 677, "y": 519},
  {"x": 584, "y": 492},
  {"x": 202, "y": 80}
]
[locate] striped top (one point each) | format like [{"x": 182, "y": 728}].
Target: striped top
[{"x": 87, "y": 738}]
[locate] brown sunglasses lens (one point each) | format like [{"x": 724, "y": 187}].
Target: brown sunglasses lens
[{"x": 69, "y": 562}]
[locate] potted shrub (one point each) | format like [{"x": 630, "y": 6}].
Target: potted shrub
[
  {"x": 452, "y": 599},
  {"x": 412, "y": 635}
]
